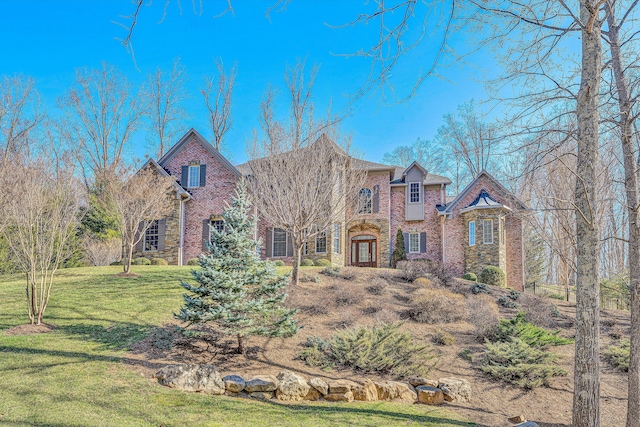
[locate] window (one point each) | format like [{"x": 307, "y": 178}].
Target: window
[
  {"x": 414, "y": 192},
  {"x": 336, "y": 238},
  {"x": 194, "y": 176},
  {"x": 151, "y": 237},
  {"x": 487, "y": 231},
  {"x": 472, "y": 233},
  {"x": 414, "y": 242},
  {"x": 321, "y": 243},
  {"x": 305, "y": 248},
  {"x": 364, "y": 201},
  {"x": 279, "y": 242},
  {"x": 218, "y": 225}
]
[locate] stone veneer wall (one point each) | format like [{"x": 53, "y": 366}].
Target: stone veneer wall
[
  {"x": 481, "y": 255},
  {"x": 379, "y": 228},
  {"x": 206, "y": 201},
  {"x": 171, "y": 252}
]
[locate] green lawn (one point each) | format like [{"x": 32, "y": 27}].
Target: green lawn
[{"x": 77, "y": 375}]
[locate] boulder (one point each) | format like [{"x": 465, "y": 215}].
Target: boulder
[
  {"x": 261, "y": 383},
  {"x": 341, "y": 386},
  {"x": 455, "y": 389},
  {"x": 365, "y": 391},
  {"x": 527, "y": 424},
  {"x": 233, "y": 383},
  {"x": 319, "y": 385},
  {"x": 264, "y": 395},
  {"x": 291, "y": 386},
  {"x": 517, "y": 419},
  {"x": 430, "y": 395},
  {"x": 340, "y": 397},
  {"x": 202, "y": 378},
  {"x": 418, "y": 381},
  {"x": 395, "y": 390},
  {"x": 313, "y": 394}
]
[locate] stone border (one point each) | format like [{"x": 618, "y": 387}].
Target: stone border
[{"x": 288, "y": 386}]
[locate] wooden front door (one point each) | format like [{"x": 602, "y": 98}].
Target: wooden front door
[{"x": 363, "y": 251}]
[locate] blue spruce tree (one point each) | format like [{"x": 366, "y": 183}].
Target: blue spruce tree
[{"x": 235, "y": 290}]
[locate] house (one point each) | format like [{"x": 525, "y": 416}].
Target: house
[{"x": 481, "y": 226}]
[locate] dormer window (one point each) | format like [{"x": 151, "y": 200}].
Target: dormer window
[
  {"x": 194, "y": 176},
  {"x": 414, "y": 192}
]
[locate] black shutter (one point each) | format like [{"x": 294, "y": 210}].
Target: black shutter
[
  {"x": 140, "y": 245},
  {"x": 289, "y": 245},
  {"x": 184, "y": 180},
  {"x": 205, "y": 235},
  {"x": 423, "y": 242},
  {"x": 162, "y": 231},
  {"x": 376, "y": 198},
  {"x": 269, "y": 240},
  {"x": 203, "y": 175},
  {"x": 406, "y": 242}
]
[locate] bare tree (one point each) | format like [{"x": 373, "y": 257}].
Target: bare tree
[
  {"x": 165, "y": 93},
  {"x": 137, "y": 201},
  {"x": 42, "y": 218},
  {"x": 102, "y": 252},
  {"x": 217, "y": 97}
]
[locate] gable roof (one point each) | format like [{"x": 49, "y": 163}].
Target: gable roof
[
  {"x": 429, "y": 178},
  {"x": 181, "y": 191},
  {"x": 483, "y": 173},
  {"x": 417, "y": 165},
  {"x": 484, "y": 201},
  {"x": 192, "y": 133}
]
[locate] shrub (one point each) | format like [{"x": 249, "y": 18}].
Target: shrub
[
  {"x": 348, "y": 273},
  {"x": 443, "y": 338},
  {"x": 539, "y": 311},
  {"x": 159, "y": 261},
  {"x": 441, "y": 272},
  {"x": 315, "y": 309},
  {"x": 470, "y": 276},
  {"x": 480, "y": 288},
  {"x": 381, "y": 349},
  {"x": 116, "y": 263},
  {"x": 436, "y": 306},
  {"x": 411, "y": 270},
  {"x": 306, "y": 262},
  {"x": 348, "y": 294},
  {"x": 618, "y": 355},
  {"x": 378, "y": 287},
  {"x": 520, "y": 328},
  {"x": 278, "y": 263},
  {"x": 483, "y": 315},
  {"x": 399, "y": 252},
  {"x": 309, "y": 278},
  {"x": 422, "y": 282},
  {"x": 193, "y": 261},
  {"x": 322, "y": 262},
  {"x": 494, "y": 276},
  {"x": 466, "y": 354},
  {"x": 141, "y": 261},
  {"x": 371, "y": 310},
  {"x": 331, "y": 271},
  {"x": 518, "y": 363},
  {"x": 556, "y": 296},
  {"x": 507, "y": 302}
]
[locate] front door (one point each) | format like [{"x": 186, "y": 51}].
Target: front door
[{"x": 363, "y": 251}]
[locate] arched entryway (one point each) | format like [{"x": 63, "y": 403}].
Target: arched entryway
[{"x": 364, "y": 251}]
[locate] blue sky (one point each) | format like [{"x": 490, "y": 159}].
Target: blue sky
[{"x": 49, "y": 39}]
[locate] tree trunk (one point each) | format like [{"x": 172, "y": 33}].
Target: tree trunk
[
  {"x": 297, "y": 257},
  {"x": 586, "y": 396},
  {"x": 126, "y": 262},
  {"x": 631, "y": 189},
  {"x": 240, "y": 348}
]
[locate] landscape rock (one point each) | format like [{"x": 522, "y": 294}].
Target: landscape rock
[
  {"x": 527, "y": 424},
  {"x": 291, "y": 386},
  {"x": 365, "y": 391},
  {"x": 201, "y": 378},
  {"x": 264, "y": 395},
  {"x": 455, "y": 389},
  {"x": 313, "y": 394},
  {"x": 430, "y": 395},
  {"x": 319, "y": 385},
  {"x": 340, "y": 397},
  {"x": 395, "y": 390},
  {"x": 418, "y": 381},
  {"x": 261, "y": 383},
  {"x": 518, "y": 419},
  {"x": 234, "y": 383},
  {"x": 341, "y": 386}
]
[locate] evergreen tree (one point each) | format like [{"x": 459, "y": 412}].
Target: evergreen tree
[
  {"x": 236, "y": 290},
  {"x": 399, "y": 253}
]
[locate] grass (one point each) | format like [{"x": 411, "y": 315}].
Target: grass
[{"x": 79, "y": 374}]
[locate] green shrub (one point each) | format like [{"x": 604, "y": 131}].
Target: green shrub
[
  {"x": 466, "y": 354},
  {"x": 322, "y": 262},
  {"x": 159, "y": 261},
  {"x": 479, "y": 288},
  {"x": 470, "y": 276},
  {"x": 382, "y": 349},
  {"x": 618, "y": 355},
  {"x": 331, "y": 271},
  {"x": 494, "y": 276},
  {"x": 399, "y": 252},
  {"x": 278, "y": 263},
  {"x": 306, "y": 262},
  {"x": 116, "y": 263},
  {"x": 193, "y": 261},
  {"x": 142, "y": 261},
  {"x": 309, "y": 278},
  {"x": 556, "y": 296},
  {"x": 520, "y": 328},
  {"x": 443, "y": 338},
  {"x": 507, "y": 302}
]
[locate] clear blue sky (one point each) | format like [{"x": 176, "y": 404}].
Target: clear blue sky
[{"x": 49, "y": 39}]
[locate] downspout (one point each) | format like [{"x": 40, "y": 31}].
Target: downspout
[
  {"x": 180, "y": 249},
  {"x": 390, "y": 231},
  {"x": 442, "y": 221}
]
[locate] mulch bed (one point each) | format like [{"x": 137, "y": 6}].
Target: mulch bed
[{"x": 30, "y": 329}]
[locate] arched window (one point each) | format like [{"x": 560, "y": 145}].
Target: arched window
[{"x": 364, "y": 201}]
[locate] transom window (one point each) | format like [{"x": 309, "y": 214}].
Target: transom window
[
  {"x": 472, "y": 233},
  {"x": 414, "y": 242},
  {"x": 487, "y": 231},
  {"x": 279, "y": 242},
  {"x": 151, "y": 237},
  {"x": 336, "y": 238},
  {"x": 364, "y": 201},
  {"x": 194, "y": 176},
  {"x": 414, "y": 192},
  {"x": 321, "y": 243}
]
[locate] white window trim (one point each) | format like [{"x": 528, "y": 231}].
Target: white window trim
[
  {"x": 273, "y": 244},
  {"x": 318, "y": 237},
  {"x": 484, "y": 234},
  {"x": 418, "y": 244},
  {"x": 419, "y": 193},
  {"x": 190, "y": 169},
  {"x": 336, "y": 237},
  {"x": 472, "y": 242}
]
